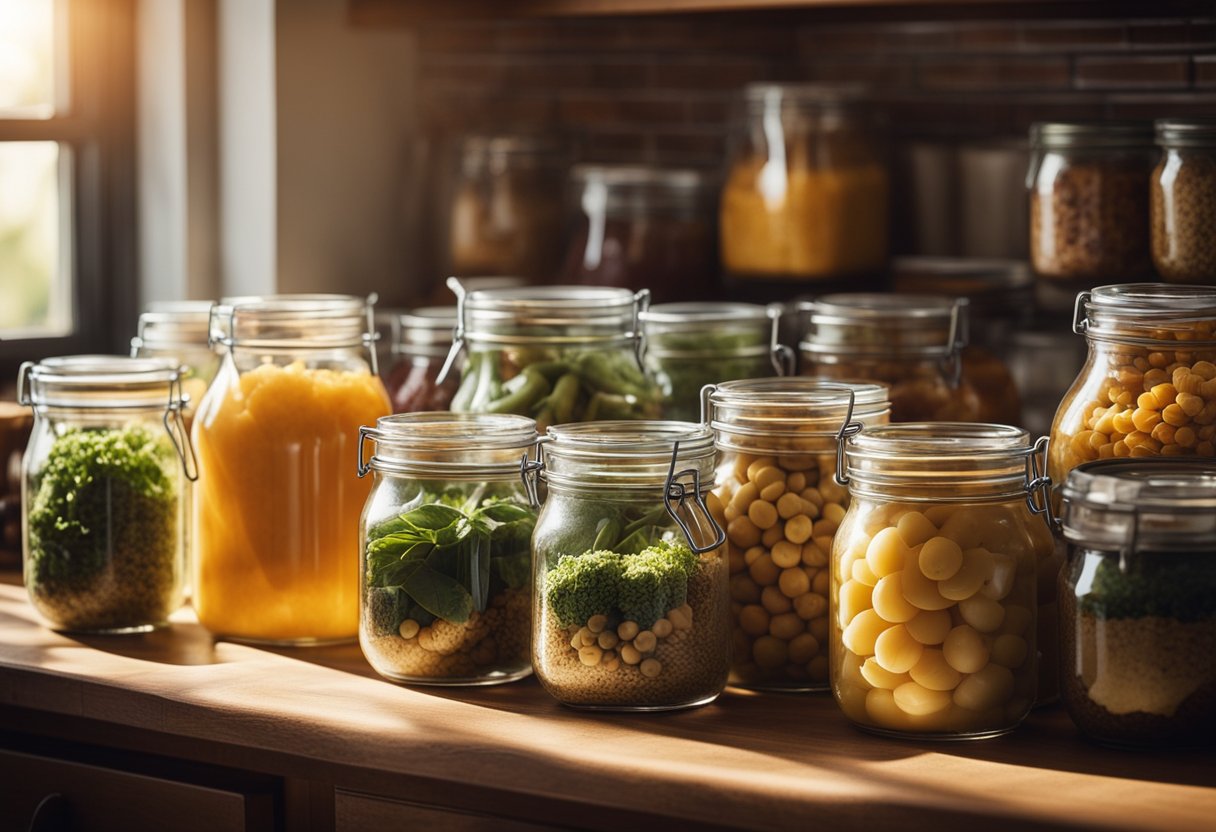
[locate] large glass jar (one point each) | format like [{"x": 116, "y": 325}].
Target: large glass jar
[
  {"x": 422, "y": 338},
  {"x": 690, "y": 345},
  {"x": 1182, "y": 201},
  {"x": 933, "y": 580},
  {"x": 1138, "y": 601},
  {"x": 780, "y": 504},
  {"x": 555, "y": 353},
  {"x": 445, "y": 549},
  {"x": 277, "y": 505},
  {"x": 911, "y": 344},
  {"x": 103, "y": 492},
  {"x": 1089, "y": 201},
  {"x": 631, "y": 607},
  {"x": 507, "y": 210},
  {"x": 178, "y": 330},
  {"x": 805, "y": 200},
  {"x": 644, "y": 228}
]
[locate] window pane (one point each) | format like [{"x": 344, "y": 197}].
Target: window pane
[
  {"x": 34, "y": 296},
  {"x": 27, "y": 58}
]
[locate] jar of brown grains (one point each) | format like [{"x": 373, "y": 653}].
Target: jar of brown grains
[
  {"x": 1183, "y": 201},
  {"x": 1089, "y": 200}
]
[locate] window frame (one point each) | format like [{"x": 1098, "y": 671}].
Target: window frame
[{"x": 98, "y": 130}]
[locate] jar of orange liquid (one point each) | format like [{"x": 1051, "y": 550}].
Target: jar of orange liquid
[{"x": 277, "y": 506}]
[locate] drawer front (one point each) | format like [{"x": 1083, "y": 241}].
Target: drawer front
[
  {"x": 97, "y": 799},
  {"x": 358, "y": 812}
]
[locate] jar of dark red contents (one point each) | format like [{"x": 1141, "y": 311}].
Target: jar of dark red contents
[
  {"x": 422, "y": 339},
  {"x": 644, "y": 228}
]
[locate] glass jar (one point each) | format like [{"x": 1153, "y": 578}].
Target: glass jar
[
  {"x": 933, "y": 580},
  {"x": 631, "y": 610},
  {"x": 643, "y": 228},
  {"x": 178, "y": 330},
  {"x": 555, "y": 353},
  {"x": 506, "y": 207},
  {"x": 277, "y": 504},
  {"x": 805, "y": 200},
  {"x": 1089, "y": 201},
  {"x": 1183, "y": 201},
  {"x": 103, "y": 492},
  {"x": 690, "y": 345},
  {"x": 1138, "y": 601},
  {"x": 422, "y": 338},
  {"x": 780, "y": 504},
  {"x": 445, "y": 549},
  {"x": 913, "y": 345}
]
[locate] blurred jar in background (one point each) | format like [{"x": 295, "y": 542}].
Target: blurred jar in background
[
  {"x": 178, "y": 330},
  {"x": 506, "y": 207},
  {"x": 421, "y": 341},
  {"x": 643, "y": 228},
  {"x": 806, "y": 197}
]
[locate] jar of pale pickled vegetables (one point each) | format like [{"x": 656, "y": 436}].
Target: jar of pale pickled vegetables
[
  {"x": 445, "y": 548},
  {"x": 780, "y": 504},
  {"x": 631, "y": 606},
  {"x": 914, "y": 345},
  {"x": 1138, "y": 601},
  {"x": 933, "y": 579},
  {"x": 179, "y": 330},
  {"x": 277, "y": 504},
  {"x": 554, "y": 353},
  {"x": 104, "y": 491}
]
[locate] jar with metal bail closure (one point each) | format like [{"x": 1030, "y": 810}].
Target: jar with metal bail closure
[
  {"x": 777, "y": 498},
  {"x": 558, "y": 354},
  {"x": 631, "y": 607},
  {"x": 104, "y": 491},
  {"x": 445, "y": 548},
  {"x": 933, "y": 579}
]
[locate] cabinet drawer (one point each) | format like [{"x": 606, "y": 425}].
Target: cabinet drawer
[
  {"x": 357, "y": 812},
  {"x": 99, "y": 798}
]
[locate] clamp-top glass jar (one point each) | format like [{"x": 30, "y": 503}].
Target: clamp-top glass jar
[
  {"x": 933, "y": 579},
  {"x": 911, "y": 344},
  {"x": 445, "y": 548},
  {"x": 179, "y": 330},
  {"x": 631, "y": 609},
  {"x": 277, "y": 502},
  {"x": 690, "y": 345},
  {"x": 1138, "y": 601},
  {"x": 777, "y": 498},
  {"x": 103, "y": 491},
  {"x": 422, "y": 338},
  {"x": 555, "y": 353},
  {"x": 1182, "y": 201}
]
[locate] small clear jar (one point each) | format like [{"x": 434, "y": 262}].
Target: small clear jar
[
  {"x": 1182, "y": 201},
  {"x": 445, "y": 548},
  {"x": 780, "y": 504},
  {"x": 631, "y": 608},
  {"x": 277, "y": 504},
  {"x": 690, "y": 345},
  {"x": 556, "y": 354},
  {"x": 805, "y": 199},
  {"x": 178, "y": 330},
  {"x": 913, "y": 345},
  {"x": 1089, "y": 201},
  {"x": 1138, "y": 601},
  {"x": 934, "y": 580},
  {"x": 422, "y": 338},
  {"x": 643, "y": 228},
  {"x": 103, "y": 492}
]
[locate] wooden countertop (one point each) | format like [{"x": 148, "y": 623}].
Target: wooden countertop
[{"x": 747, "y": 761}]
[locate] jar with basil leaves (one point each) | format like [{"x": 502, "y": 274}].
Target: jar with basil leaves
[{"x": 445, "y": 548}]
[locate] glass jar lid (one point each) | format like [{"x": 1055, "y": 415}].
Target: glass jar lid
[
  {"x": 101, "y": 382},
  {"x": 1185, "y": 132},
  {"x": 874, "y": 324},
  {"x": 626, "y": 454},
  {"x": 1060, "y": 135},
  {"x": 290, "y": 322},
  {"x": 1132, "y": 505},
  {"x": 994, "y": 289},
  {"x": 1147, "y": 314},
  {"x": 427, "y": 330},
  {"x": 713, "y": 329},
  {"x": 449, "y": 446},
  {"x": 630, "y": 190},
  {"x": 173, "y": 325}
]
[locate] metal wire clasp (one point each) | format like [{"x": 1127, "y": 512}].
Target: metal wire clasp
[
  {"x": 175, "y": 426},
  {"x": 781, "y": 356},
  {"x": 461, "y": 293},
  {"x": 1038, "y": 482},
  {"x": 24, "y": 393},
  {"x": 848, "y": 429},
  {"x": 529, "y": 473},
  {"x": 364, "y": 433},
  {"x": 1080, "y": 318},
  {"x": 676, "y": 492}
]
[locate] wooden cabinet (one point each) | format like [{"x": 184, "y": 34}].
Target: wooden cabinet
[{"x": 356, "y": 812}]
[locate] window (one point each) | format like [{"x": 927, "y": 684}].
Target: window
[{"x": 66, "y": 81}]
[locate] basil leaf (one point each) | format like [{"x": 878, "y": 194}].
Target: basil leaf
[
  {"x": 439, "y": 594},
  {"x": 398, "y": 572},
  {"x": 504, "y": 512},
  {"x": 432, "y": 517}
]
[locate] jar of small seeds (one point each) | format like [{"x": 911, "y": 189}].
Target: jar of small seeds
[
  {"x": 1183, "y": 201},
  {"x": 780, "y": 504}
]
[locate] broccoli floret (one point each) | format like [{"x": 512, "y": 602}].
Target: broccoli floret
[
  {"x": 386, "y": 609},
  {"x": 580, "y": 587},
  {"x": 655, "y": 581}
]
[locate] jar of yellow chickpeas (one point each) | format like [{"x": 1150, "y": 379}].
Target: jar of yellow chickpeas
[
  {"x": 780, "y": 504},
  {"x": 933, "y": 585}
]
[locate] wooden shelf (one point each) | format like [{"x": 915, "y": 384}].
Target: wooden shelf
[{"x": 747, "y": 761}]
